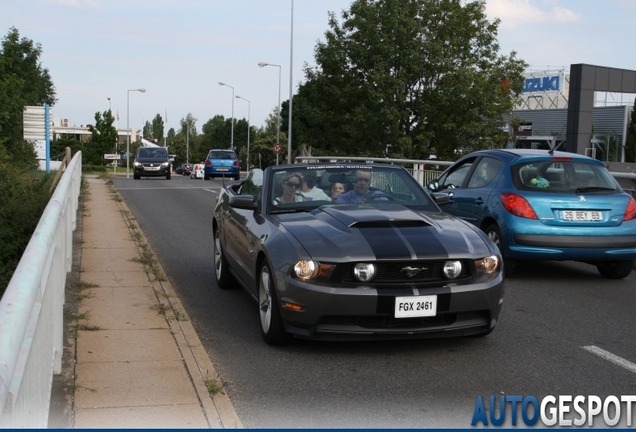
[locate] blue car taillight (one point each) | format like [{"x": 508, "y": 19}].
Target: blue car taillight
[
  {"x": 518, "y": 206},
  {"x": 630, "y": 213}
]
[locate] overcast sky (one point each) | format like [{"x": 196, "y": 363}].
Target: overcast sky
[{"x": 179, "y": 50}]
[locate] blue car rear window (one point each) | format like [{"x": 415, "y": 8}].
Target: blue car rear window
[
  {"x": 222, "y": 155},
  {"x": 563, "y": 176}
]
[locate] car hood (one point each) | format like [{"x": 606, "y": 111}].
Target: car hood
[{"x": 365, "y": 232}]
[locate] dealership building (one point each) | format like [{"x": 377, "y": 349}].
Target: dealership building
[{"x": 596, "y": 103}]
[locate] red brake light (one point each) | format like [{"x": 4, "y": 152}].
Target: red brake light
[
  {"x": 630, "y": 213},
  {"x": 561, "y": 159},
  {"x": 207, "y": 162},
  {"x": 518, "y": 206},
  {"x": 236, "y": 163}
]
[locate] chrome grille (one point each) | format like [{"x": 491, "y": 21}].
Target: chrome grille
[{"x": 394, "y": 273}]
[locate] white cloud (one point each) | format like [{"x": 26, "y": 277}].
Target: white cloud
[{"x": 515, "y": 13}]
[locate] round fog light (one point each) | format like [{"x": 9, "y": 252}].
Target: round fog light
[
  {"x": 452, "y": 269},
  {"x": 364, "y": 272}
]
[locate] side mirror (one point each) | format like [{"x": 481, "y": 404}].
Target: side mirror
[
  {"x": 441, "y": 198},
  {"x": 245, "y": 202},
  {"x": 433, "y": 185}
]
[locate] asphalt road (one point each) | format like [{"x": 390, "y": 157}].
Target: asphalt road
[{"x": 552, "y": 311}]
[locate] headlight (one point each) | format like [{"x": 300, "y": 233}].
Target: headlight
[
  {"x": 452, "y": 269},
  {"x": 364, "y": 272},
  {"x": 306, "y": 269},
  {"x": 488, "y": 268},
  {"x": 137, "y": 164},
  {"x": 165, "y": 164}
]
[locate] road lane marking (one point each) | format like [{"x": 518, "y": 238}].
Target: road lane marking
[{"x": 611, "y": 357}]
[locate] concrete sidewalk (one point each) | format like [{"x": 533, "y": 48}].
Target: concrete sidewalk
[{"x": 136, "y": 361}]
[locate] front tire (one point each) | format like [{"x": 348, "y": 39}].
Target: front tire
[
  {"x": 615, "y": 269},
  {"x": 224, "y": 278},
  {"x": 167, "y": 176},
  {"x": 272, "y": 326}
]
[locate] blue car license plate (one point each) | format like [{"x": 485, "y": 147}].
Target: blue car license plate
[{"x": 580, "y": 216}]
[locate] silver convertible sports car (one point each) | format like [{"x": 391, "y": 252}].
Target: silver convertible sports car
[{"x": 347, "y": 251}]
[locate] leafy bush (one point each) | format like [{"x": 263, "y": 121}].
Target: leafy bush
[
  {"x": 25, "y": 194},
  {"x": 94, "y": 168}
]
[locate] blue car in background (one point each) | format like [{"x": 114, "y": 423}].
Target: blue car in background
[
  {"x": 538, "y": 205},
  {"x": 222, "y": 163}
]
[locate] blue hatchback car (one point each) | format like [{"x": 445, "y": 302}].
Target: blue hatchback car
[
  {"x": 537, "y": 205},
  {"x": 222, "y": 163}
]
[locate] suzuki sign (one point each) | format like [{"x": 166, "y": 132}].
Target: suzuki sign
[{"x": 542, "y": 84}]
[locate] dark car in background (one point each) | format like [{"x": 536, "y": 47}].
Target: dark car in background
[
  {"x": 391, "y": 265},
  {"x": 151, "y": 162},
  {"x": 222, "y": 163},
  {"x": 542, "y": 205},
  {"x": 184, "y": 169}
]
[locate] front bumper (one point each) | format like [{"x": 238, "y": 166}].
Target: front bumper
[
  {"x": 148, "y": 170},
  {"x": 362, "y": 313}
]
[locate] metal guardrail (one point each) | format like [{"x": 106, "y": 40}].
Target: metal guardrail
[
  {"x": 31, "y": 310},
  {"x": 423, "y": 176},
  {"x": 418, "y": 168}
]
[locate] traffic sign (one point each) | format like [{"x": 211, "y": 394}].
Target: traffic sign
[
  {"x": 34, "y": 123},
  {"x": 112, "y": 156},
  {"x": 278, "y": 148}
]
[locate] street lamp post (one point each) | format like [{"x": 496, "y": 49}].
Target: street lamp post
[
  {"x": 263, "y": 64},
  {"x": 232, "y": 131},
  {"x": 248, "y": 131},
  {"x": 110, "y": 111},
  {"x": 291, "y": 94},
  {"x": 128, "y": 129}
]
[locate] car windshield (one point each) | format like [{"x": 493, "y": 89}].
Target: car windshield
[
  {"x": 563, "y": 175},
  {"x": 152, "y": 152},
  {"x": 220, "y": 154},
  {"x": 308, "y": 187}
]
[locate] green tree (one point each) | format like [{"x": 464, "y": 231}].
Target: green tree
[
  {"x": 630, "y": 144},
  {"x": 407, "y": 78},
  {"x": 23, "y": 82},
  {"x": 154, "y": 130},
  {"x": 185, "y": 144},
  {"x": 103, "y": 139},
  {"x": 58, "y": 146},
  {"x": 216, "y": 131}
]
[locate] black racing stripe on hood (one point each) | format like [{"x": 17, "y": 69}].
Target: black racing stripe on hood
[{"x": 404, "y": 242}]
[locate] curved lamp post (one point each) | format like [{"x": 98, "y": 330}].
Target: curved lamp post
[
  {"x": 232, "y": 131},
  {"x": 262, "y": 65},
  {"x": 128, "y": 129},
  {"x": 291, "y": 93},
  {"x": 248, "y": 131}
]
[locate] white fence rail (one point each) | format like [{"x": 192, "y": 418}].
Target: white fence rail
[
  {"x": 31, "y": 310},
  {"x": 419, "y": 170}
]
